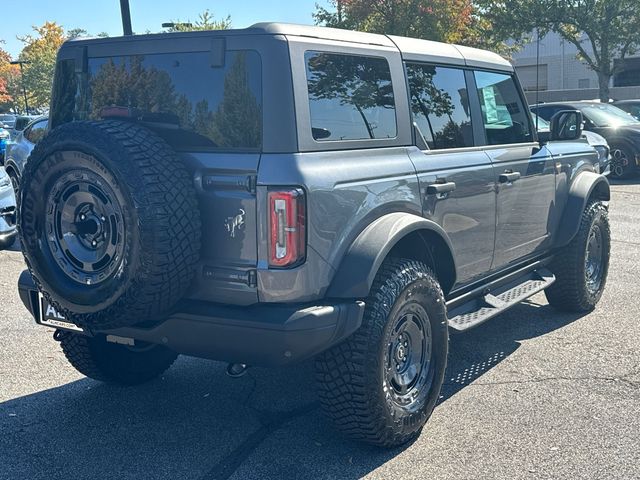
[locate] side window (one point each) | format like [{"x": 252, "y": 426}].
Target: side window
[
  {"x": 506, "y": 119},
  {"x": 440, "y": 105},
  {"x": 545, "y": 112},
  {"x": 37, "y": 131},
  {"x": 350, "y": 97}
]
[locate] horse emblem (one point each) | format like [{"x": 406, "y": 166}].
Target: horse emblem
[{"x": 235, "y": 224}]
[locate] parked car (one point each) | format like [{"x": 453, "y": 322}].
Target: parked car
[
  {"x": 19, "y": 149},
  {"x": 287, "y": 192},
  {"x": 20, "y": 124},
  {"x": 8, "y": 119},
  {"x": 621, "y": 130},
  {"x": 630, "y": 106},
  {"x": 598, "y": 142},
  {"x": 8, "y": 233},
  {"x": 4, "y": 139}
]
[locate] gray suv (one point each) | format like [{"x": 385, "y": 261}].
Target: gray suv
[{"x": 268, "y": 195}]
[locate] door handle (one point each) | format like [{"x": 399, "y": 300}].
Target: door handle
[
  {"x": 441, "y": 187},
  {"x": 508, "y": 176}
]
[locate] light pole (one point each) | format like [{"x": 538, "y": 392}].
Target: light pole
[
  {"x": 126, "y": 17},
  {"x": 24, "y": 90}
]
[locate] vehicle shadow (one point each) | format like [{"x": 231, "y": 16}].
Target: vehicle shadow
[{"x": 195, "y": 422}]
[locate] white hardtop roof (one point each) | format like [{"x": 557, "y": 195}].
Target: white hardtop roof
[
  {"x": 436, "y": 52},
  {"x": 410, "y": 48}
]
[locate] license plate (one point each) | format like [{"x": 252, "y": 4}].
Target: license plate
[{"x": 51, "y": 318}]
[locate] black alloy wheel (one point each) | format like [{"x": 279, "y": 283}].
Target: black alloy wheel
[{"x": 85, "y": 226}]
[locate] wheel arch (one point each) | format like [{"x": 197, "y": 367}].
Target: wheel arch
[
  {"x": 586, "y": 187},
  {"x": 396, "y": 234},
  {"x": 11, "y": 168}
]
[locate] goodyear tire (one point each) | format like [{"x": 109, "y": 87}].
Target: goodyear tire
[
  {"x": 109, "y": 223},
  {"x": 581, "y": 267},
  {"x": 381, "y": 385},
  {"x": 108, "y": 362}
]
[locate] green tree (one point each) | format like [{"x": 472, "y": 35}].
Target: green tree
[
  {"x": 238, "y": 118},
  {"x": 601, "y": 30},
  {"x": 454, "y": 21},
  {"x": 205, "y": 21},
  {"x": 40, "y": 53}
]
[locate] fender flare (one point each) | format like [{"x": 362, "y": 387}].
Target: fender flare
[
  {"x": 583, "y": 187},
  {"x": 359, "y": 266}
]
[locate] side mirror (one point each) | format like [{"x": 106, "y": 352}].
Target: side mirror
[
  {"x": 566, "y": 125},
  {"x": 320, "y": 133}
]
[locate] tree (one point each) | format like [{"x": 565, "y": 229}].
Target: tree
[
  {"x": 9, "y": 83},
  {"x": 601, "y": 30},
  {"x": 206, "y": 21},
  {"x": 440, "y": 20},
  {"x": 453, "y": 21},
  {"x": 40, "y": 53}
]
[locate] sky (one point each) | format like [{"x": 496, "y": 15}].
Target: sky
[{"x": 97, "y": 16}]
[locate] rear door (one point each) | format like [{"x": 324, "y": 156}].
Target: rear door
[
  {"x": 524, "y": 171},
  {"x": 456, "y": 177}
]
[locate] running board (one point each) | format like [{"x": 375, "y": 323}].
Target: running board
[{"x": 481, "y": 309}]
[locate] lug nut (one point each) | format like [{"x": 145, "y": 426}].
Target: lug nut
[{"x": 94, "y": 243}]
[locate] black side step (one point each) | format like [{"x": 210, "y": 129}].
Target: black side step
[{"x": 484, "y": 307}]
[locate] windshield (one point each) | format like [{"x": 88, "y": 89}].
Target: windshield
[{"x": 607, "y": 116}]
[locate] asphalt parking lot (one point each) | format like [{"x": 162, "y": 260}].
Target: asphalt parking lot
[{"x": 531, "y": 394}]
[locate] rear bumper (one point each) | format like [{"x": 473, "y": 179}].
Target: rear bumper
[{"x": 262, "y": 335}]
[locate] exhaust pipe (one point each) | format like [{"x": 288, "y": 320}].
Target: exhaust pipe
[{"x": 236, "y": 370}]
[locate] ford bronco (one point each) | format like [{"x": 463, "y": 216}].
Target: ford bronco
[{"x": 272, "y": 194}]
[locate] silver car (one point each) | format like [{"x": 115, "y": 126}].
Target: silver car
[
  {"x": 20, "y": 148},
  {"x": 8, "y": 231}
]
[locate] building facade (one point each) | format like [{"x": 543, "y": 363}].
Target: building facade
[{"x": 560, "y": 70}]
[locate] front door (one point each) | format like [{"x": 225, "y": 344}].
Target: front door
[
  {"x": 524, "y": 171},
  {"x": 456, "y": 178}
]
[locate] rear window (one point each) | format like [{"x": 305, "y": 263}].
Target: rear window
[
  {"x": 350, "y": 97},
  {"x": 192, "y": 103}
]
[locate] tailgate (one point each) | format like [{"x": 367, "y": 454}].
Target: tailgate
[{"x": 226, "y": 186}]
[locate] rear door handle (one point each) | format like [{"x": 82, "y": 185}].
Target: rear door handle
[
  {"x": 509, "y": 176},
  {"x": 444, "y": 187}
]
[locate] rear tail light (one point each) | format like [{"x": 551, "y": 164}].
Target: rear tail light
[{"x": 287, "y": 236}]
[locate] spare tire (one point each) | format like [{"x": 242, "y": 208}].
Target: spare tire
[{"x": 109, "y": 223}]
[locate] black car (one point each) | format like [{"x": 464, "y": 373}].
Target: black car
[
  {"x": 629, "y": 106},
  {"x": 621, "y": 130}
]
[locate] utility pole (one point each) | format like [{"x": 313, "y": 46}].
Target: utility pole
[
  {"x": 126, "y": 17},
  {"x": 24, "y": 90}
]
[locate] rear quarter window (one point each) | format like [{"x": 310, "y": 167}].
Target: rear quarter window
[{"x": 350, "y": 97}]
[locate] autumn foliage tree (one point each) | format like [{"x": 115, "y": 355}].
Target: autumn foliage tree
[
  {"x": 9, "y": 82},
  {"x": 40, "y": 53},
  {"x": 453, "y": 21},
  {"x": 441, "y": 20}
]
